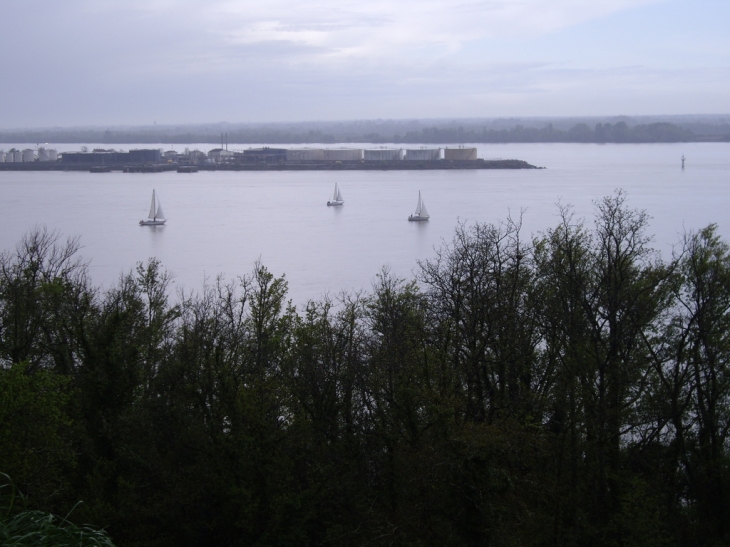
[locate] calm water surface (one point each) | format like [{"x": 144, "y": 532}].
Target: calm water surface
[{"x": 222, "y": 222}]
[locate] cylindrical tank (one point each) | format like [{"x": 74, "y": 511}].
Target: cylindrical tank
[
  {"x": 305, "y": 154},
  {"x": 28, "y": 155},
  {"x": 461, "y": 154},
  {"x": 424, "y": 154},
  {"x": 52, "y": 154},
  {"x": 42, "y": 154},
  {"x": 2, "y": 156},
  {"x": 383, "y": 154},
  {"x": 343, "y": 154},
  {"x": 12, "y": 156}
]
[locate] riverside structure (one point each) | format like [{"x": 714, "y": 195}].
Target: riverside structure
[{"x": 266, "y": 158}]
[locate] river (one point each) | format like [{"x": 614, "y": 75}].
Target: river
[{"x": 223, "y": 222}]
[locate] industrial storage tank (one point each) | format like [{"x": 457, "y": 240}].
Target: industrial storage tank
[
  {"x": 28, "y": 155},
  {"x": 52, "y": 154},
  {"x": 2, "y": 156},
  {"x": 424, "y": 154},
  {"x": 343, "y": 154},
  {"x": 384, "y": 154},
  {"x": 462, "y": 154},
  {"x": 305, "y": 154},
  {"x": 42, "y": 154}
]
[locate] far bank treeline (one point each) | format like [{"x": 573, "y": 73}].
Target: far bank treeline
[
  {"x": 619, "y": 132},
  {"x": 568, "y": 390}
]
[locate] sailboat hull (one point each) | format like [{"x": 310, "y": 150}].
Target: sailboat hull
[
  {"x": 334, "y": 203},
  {"x": 417, "y": 218},
  {"x": 152, "y": 222}
]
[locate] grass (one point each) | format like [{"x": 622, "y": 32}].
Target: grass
[{"x": 21, "y": 527}]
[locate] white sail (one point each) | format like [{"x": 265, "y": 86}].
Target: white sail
[
  {"x": 153, "y": 209},
  {"x": 419, "y": 205},
  {"x": 156, "y": 217},
  {"x": 422, "y": 210},
  {"x": 336, "y": 197}
]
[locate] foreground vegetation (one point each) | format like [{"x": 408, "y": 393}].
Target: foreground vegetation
[
  {"x": 21, "y": 527},
  {"x": 567, "y": 390}
]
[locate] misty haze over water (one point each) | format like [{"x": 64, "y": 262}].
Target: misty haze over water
[{"x": 598, "y": 129}]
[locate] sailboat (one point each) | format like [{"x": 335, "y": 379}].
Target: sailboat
[
  {"x": 336, "y": 197},
  {"x": 421, "y": 212},
  {"x": 156, "y": 216}
]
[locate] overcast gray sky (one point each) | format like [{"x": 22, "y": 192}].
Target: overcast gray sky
[{"x": 111, "y": 62}]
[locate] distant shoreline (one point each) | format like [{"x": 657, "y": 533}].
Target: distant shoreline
[
  {"x": 598, "y": 130},
  {"x": 386, "y": 165}
]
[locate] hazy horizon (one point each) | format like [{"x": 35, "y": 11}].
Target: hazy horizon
[
  {"x": 488, "y": 122},
  {"x": 172, "y": 62}
]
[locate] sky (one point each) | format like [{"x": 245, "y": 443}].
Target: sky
[{"x": 140, "y": 62}]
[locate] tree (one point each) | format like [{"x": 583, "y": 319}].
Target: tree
[
  {"x": 605, "y": 295},
  {"x": 479, "y": 291},
  {"x": 45, "y": 300},
  {"x": 696, "y": 382}
]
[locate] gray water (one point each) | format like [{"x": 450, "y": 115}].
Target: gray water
[{"x": 222, "y": 222}]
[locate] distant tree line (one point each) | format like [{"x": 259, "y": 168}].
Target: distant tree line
[
  {"x": 619, "y": 132},
  {"x": 566, "y": 390}
]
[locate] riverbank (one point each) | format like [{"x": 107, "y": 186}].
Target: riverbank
[{"x": 385, "y": 165}]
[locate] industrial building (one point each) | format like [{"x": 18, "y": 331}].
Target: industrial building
[
  {"x": 28, "y": 155},
  {"x": 47, "y": 154},
  {"x": 305, "y": 154},
  {"x": 219, "y": 154},
  {"x": 252, "y": 158},
  {"x": 111, "y": 157},
  {"x": 265, "y": 155},
  {"x": 342, "y": 154},
  {"x": 460, "y": 154},
  {"x": 384, "y": 154},
  {"x": 424, "y": 154},
  {"x": 13, "y": 156}
]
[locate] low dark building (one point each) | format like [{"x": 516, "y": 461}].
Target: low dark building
[
  {"x": 95, "y": 158},
  {"x": 107, "y": 157},
  {"x": 265, "y": 155},
  {"x": 145, "y": 156}
]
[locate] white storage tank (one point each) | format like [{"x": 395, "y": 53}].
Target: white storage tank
[
  {"x": 28, "y": 155},
  {"x": 42, "y": 154},
  {"x": 383, "y": 154},
  {"x": 2, "y": 156},
  {"x": 424, "y": 154},
  {"x": 305, "y": 154},
  {"x": 343, "y": 154},
  {"x": 12, "y": 156},
  {"x": 52, "y": 154},
  {"x": 461, "y": 154}
]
